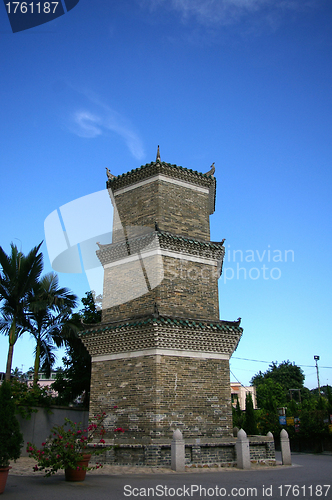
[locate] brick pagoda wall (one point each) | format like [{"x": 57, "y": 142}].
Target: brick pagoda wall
[
  {"x": 154, "y": 395},
  {"x": 187, "y": 289},
  {"x": 160, "y": 357}
]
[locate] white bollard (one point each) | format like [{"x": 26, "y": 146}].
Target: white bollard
[
  {"x": 242, "y": 450},
  {"x": 177, "y": 452},
  {"x": 285, "y": 448}
]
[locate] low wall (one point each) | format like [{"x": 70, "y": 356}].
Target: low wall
[
  {"x": 38, "y": 427},
  {"x": 198, "y": 452}
]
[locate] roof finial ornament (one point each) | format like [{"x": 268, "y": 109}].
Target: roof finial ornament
[
  {"x": 109, "y": 175},
  {"x": 158, "y": 154},
  {"x": 212, "y": 170}
]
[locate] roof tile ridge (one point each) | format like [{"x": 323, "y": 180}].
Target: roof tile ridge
[
  {"x": 162, "y": 164},
  {"x": 189, "y": 238}
]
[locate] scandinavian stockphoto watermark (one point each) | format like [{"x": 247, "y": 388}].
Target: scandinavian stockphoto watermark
[{"x": 255, "y": 264}]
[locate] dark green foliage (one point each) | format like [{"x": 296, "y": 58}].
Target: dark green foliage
[
  {"x": 11, "y": 439},
  {"x": 91, "y": 313},
  {"x": 267, "y": 421},
  {"x": 270, "y": 395},
  {"x": 238, "y": 416},
  {"x": 74, "y": 381},
  {"x": 312, "y": 414},
  {"x": 272, "y": 387},
  {"x": 27, "y": 397},
  {"x": 329, "y": 399},
  {"x": 286, "y": 373},
  {"x": 250, "y": 425}
]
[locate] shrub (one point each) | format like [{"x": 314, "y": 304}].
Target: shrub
[{"x": 11, "y": 439}]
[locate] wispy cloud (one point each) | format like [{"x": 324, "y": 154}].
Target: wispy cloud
[
  {"x": 213, "y": 12},
  {"x": 95, "y": 118},
  {"x": 87, "y": 124}
]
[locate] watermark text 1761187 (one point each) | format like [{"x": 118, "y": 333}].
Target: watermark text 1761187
[{"x": 26, "y": 15}]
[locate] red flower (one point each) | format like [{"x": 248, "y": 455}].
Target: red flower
[
  {"x": 102, "y": 441},
  {"x": 43, "y": 444}
]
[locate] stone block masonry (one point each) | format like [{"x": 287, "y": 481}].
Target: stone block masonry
[{"x": 198, "y": 452}]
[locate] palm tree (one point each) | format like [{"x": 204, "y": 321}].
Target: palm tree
[
  {"x": 18, "y": 274},
  {"x": 49, "y": 310}
]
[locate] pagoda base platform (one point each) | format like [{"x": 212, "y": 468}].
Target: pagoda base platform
[{"x": 198, "y": 452}]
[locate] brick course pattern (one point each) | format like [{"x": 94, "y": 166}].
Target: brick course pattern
[
  {"x": 179, "y": 274},
  {"x": 207, "y": 452},
  {"x": 155, "y": 395}
]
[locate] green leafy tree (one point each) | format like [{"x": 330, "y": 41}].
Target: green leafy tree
[
  {"x": 286, "y": 373},
  {"x": 272, "y": 387},
  {"x": 11, "y": 439},
  {"x": 18, "y": 274},
  {"x": 75, "y": 379},
  {"x": 49, "y": 309},
  {"x": 250, "y": 425},
  {"x": 91, "y": 312},
  {"x": 270, "y": 395}
]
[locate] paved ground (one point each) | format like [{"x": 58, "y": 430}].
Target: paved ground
[
  {"x": 308, "y": 478},
  {"x": 24, "y": 467}
]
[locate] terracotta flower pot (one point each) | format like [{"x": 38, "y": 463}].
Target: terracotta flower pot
[
  {"x": 79, "y": 473},
  {"x": 3, "y": 478}
]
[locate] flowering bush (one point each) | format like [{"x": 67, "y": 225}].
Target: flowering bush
[{"x": 67, "y": 444}]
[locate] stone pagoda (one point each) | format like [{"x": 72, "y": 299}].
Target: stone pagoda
[{"x": 160, "y": 357}]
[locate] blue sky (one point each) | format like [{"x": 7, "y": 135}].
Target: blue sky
[{"x": 242, "y": 83}]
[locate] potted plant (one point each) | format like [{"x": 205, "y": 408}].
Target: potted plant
[
  {"x": 11, "y": 439},
  {"x": 68, "y": 448}
]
